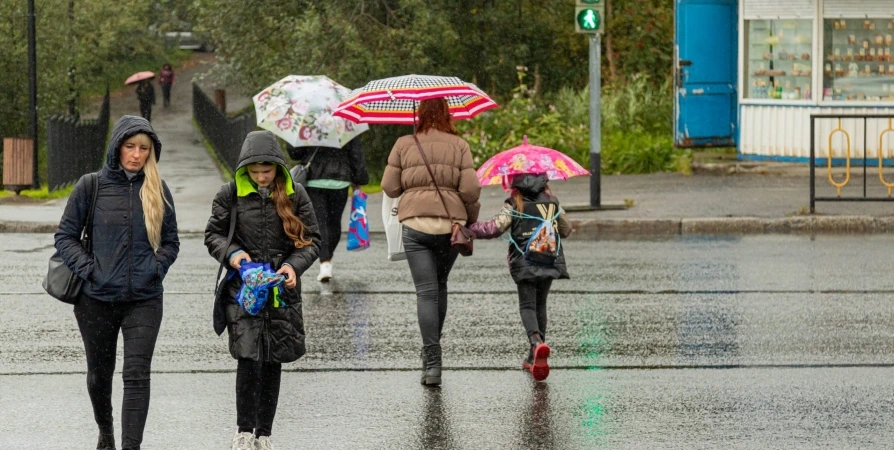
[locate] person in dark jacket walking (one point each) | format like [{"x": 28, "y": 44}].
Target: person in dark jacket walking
[
  {"x": 166, "y": 80},
  {"x": 530, "y": 205},
  {"x": 135, "y": 242},
  {"x": 275, "y": 223},
  {"x": 331, "y": 172},
  {"x": 146, "y": 96}
]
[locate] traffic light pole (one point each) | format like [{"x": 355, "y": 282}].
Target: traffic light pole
[{"x": 595, "y": 121}]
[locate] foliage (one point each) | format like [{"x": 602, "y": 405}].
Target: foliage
[{"x": 636, "y": 128}]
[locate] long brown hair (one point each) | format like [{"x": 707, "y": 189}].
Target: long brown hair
[
  {"x": 434, "y": 113},
  {"x": 293, "y": 226}
]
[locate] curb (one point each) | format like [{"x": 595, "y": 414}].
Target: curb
[{"x": 647, "y": 228}]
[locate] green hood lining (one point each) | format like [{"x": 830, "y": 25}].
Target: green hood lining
[{"x": 244, "y": 185}]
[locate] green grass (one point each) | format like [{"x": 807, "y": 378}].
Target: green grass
[{"x": 41, "y": 194}]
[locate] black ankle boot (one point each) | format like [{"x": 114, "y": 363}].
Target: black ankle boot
[
  {"x": 431, "y": 374},
  {"x": 106, "y": 441}
]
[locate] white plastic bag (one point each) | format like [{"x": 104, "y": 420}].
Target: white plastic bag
[{"x": 393, "y": 229}]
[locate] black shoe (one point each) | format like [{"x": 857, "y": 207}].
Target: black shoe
[
  {"x": 529, "y": 360},
  {"x": 431, "y": 375},
  {"x": 106, "y": 442}
]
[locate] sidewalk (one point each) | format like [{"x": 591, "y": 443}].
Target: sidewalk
[
  {"x": 187, "y": 168},
  {"x": 725, "y": 198}
]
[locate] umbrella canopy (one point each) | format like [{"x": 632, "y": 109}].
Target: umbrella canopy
[
  {"x": 531, "y": 159},
  {"x": 299, "y": 110},
  {"x": 140, "y": 76},
  {"x": 394, "y": 100}
]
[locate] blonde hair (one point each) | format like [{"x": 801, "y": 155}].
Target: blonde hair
[{"x": 152, "y": 196}]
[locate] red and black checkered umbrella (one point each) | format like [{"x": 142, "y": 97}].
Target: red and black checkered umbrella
[{"x": 394, "y": 100}]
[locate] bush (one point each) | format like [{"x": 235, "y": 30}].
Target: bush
[{"x": 637, "y": 129}]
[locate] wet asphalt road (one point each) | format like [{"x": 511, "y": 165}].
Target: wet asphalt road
[{"x": 746, "y": 342}]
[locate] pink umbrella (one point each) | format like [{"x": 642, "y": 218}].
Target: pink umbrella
[
  {"x": 139, "y": 76},
  {"x": 530, "y": 159}
]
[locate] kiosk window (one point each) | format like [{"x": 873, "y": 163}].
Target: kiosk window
[
  {"x": 778, "y": 59},
  {"x": 857, "y": 60}
]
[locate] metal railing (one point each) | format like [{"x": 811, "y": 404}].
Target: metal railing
[
  {"x": 75, "y": 147},
  {"x": 225, "y": 134},
  {"x": 848, "y": 159}
]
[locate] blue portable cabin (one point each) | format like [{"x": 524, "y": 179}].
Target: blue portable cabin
[{"x": 749, "y": 73}]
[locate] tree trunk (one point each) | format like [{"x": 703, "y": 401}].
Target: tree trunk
[{"x": 609, "y": 51}]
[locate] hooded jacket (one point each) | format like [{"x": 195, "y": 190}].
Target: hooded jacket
[
  {"x": 537, "y": 203},
  {"x": 275, "y": 334},
  {"x": 342, "y": 164},
  {"x": 122, "y": 265}
]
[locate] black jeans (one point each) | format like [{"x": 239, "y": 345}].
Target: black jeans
[
  {"x": 166, "y": 94},
  {"x": 430, "y": 257},
  {"x": 532, "y": 306},
  {"x": 99, "y": 323},
  {"x": 146, "y": 110},
  {"x": 257, "y": 394},
  {"x": 329, "y": 205}
]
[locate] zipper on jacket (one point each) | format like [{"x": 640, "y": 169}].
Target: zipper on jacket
[
  {"x": 266, "y": 225},
  {"x": 130, "y": 249},
  {"x": 267, "y": 333}
]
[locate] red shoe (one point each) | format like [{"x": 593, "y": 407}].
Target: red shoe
[{"x": 539, "y": 364}]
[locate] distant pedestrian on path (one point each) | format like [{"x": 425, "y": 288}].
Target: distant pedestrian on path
[
  {"x": 275, "y": 224},
  {"x": 427, "y": 227},
  {"x": 134, "y": 244},
  {"x": 146, "y": 96},
  {"x": 166, "y": 80},
  {"x": 330, "y": 173},
  {"x": 528, "y": 214}
]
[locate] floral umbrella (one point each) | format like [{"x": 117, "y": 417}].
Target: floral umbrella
[
  {"x": 530, "y": 159},
  {"x": 299, "y": 110},
  {"x": 394, "y": 100}
]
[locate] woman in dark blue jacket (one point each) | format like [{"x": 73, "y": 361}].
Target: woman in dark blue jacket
[{"x": 135, "y": 242}]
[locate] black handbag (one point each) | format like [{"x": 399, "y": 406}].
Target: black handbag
[
  {"x": 61, "y": 283},
  {"x": 299, "y": 172}
]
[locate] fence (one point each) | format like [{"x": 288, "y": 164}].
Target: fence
[
  {"x": 225, "y": 134},
  {"x": 851, "y": 143},
  {"x": 75, "y": 147}
]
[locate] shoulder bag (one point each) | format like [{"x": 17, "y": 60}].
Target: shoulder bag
[
  {"x": 219, "y": 313},
  {"x": 461, "y": 237},
  {"x": 299, "y": 172},
  {"x": 61, "y": 283}
]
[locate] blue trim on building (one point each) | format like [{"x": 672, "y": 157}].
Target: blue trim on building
[{"x": 836, "y": 162}]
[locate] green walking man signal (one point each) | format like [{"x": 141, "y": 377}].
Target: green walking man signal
[{"x": 589, "y": 16}]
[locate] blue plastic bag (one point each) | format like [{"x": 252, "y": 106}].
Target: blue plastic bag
[
  {"x": 258, "y": 280},
  {"x": 358, "y": 228}
]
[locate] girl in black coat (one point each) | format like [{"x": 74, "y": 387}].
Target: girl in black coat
[
  {"x": 275, "y": 224},
  {"x": 135, "y": 242},
  {"x": 529, "y": 206}
]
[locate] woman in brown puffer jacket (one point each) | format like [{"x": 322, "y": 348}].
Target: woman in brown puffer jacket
[{"x": 427, "y": 225}]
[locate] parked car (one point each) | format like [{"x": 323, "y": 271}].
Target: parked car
[{"x": 187, "y": 40}]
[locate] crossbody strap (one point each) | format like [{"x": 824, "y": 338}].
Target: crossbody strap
[
  {"x": 432, "y": 175},
  {"x": 87, "y": 232},
  {"x": 231, "y": 232}
]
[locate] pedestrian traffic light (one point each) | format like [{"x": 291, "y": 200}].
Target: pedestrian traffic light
[{"x": 589, "y": 16}]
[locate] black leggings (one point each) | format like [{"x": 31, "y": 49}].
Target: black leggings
[
  {"x": 257, "y": 394},
  {"x": 329, "y": 205},
  {"x": 99, "y": 323},
  {"x": 146, "y": 110},
  {"x": 430, "y": 257},
  {"x": 166, "y": 94},
  {"x": 532, "y": 306}
]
